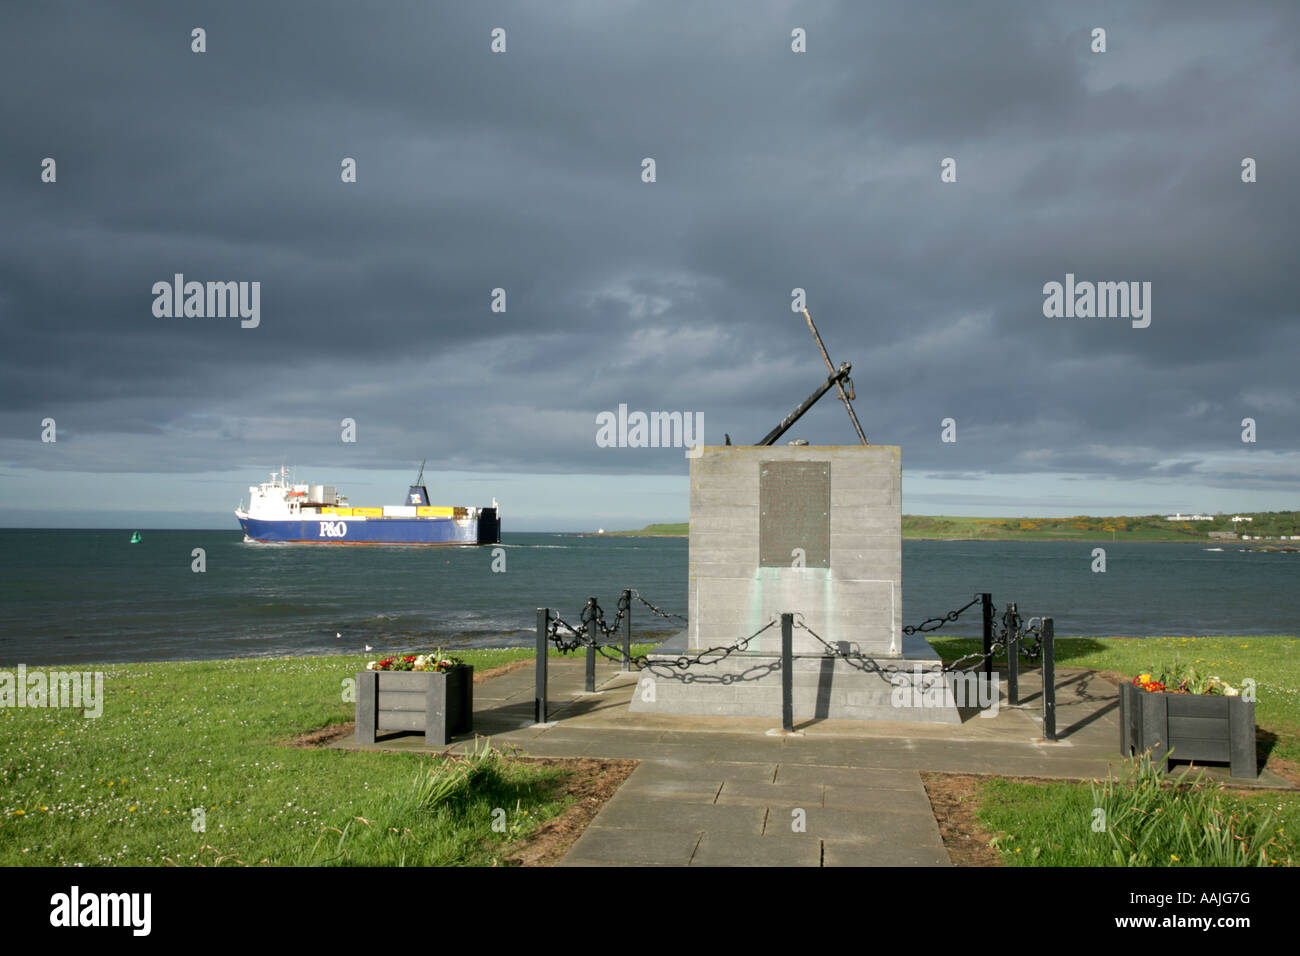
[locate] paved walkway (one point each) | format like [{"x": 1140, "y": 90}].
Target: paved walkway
[
  {"x": 736, "y": 791},
  {"x": 679, "y": 813}
]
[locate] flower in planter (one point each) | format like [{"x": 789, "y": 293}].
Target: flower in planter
[
  {"x": 1177, "y": 679},
  {"x": 1146, "y": 682},
  {"x": 416, "y": 662},
  {"x": 403, "y": 663}
]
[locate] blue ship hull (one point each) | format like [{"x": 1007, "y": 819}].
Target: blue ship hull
[{"x": 345, "y": 530}]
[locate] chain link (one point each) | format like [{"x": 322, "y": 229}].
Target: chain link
[
  {"x": 667, "y": 615},
  {"x": 677, "y": 668},
  {"x": 871, "y": 666},
  {"x": 566, "y": 638},
  {"x": 1032, "y": 651},
  {"x": 934, "y": 623}
]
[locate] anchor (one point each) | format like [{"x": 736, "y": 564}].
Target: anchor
[{"x": 839, "y": 378}]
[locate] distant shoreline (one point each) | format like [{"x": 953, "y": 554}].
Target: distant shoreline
[
  {"x": 1242, "y": 545},
  {"x": 1271, "y": 528}
]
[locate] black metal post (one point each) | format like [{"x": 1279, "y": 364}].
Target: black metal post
[
  {"x": 539, "y": 700},
  {"x": 987, "y": 602},
  {"x": 787, "y": 672},
  {"x": 627, "y": 630},
  {"x": 1012, "y": 622},
  {"x": 593, "y": 629},
  {"x": 1049, "y": 679}
]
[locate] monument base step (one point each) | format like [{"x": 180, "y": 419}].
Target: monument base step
[
  {"x": 915, "y": 647},
  {"x": 910, "y": 690}
]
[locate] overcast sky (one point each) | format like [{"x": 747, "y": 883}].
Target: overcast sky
[{"x": 522, "y": 170}]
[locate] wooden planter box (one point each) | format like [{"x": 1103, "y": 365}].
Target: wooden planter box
[
  {"x": 1200, "y": 727},
  {"x": 439, "y": 705}
]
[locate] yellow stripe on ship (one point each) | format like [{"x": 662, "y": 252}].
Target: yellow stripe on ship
[
  {"x": 368, "y": 512},
  {"x": 434, "y": 511}
]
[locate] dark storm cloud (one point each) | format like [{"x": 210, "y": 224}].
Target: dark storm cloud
[{"x": 818, "y": 170}]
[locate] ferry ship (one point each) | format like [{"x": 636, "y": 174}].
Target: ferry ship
[{"x": 279, "y": 511}]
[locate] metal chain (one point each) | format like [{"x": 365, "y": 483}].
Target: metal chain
[
  {"x": 1018, "y": 629},
  {"x": 564, "y": 642},
  {"x": 870, "y": 666},
  {"x": 675, "y": 669},
  {"x": 934, "y": 623},
  {"x": 668, "y": 615},
  {"x": 566, "y": 638},
  {"x": 624, "y": 608},
  {"x": 723, "y": 651},
  {"x": 1033, "y": 650}
]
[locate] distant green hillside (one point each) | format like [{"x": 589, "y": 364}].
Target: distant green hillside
[
  {"x": 1081, "y": 527},
  {"x": 658, "y": 531},
  {"x": 1087, "y": 528}
]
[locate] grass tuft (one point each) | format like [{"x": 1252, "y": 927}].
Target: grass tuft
[{"x": 1139, "y": 819}]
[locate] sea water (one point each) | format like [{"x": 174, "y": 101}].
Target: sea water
[{"x": 92, "y": 597}]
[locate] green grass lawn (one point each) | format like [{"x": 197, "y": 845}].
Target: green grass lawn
[
  {"x": 1145, "y": 821},
  {"x": 123, "y": 788}
]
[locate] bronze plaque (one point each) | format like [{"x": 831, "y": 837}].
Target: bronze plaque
[{"x": 794, "y": 512}]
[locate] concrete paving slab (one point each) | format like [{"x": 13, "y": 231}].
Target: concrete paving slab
[
  {"x": 747, "y": 793},
  {"x": 607, "y": 745},
  {"x": 904, "y": 828},
  {"x": 734, "y": 748},
  {"x": 847, "y": 776},
  {"x": 794, "y": 849},
  {"x": 605, "y": 846},
  {"x": 730, "y": 770},
  {"x": 636, "y": 812},
  {"x": 868, "y": 800},
  {"x": 683, "y": 791},
  {"x": 845, "y": 853},
  {"x": 828, "y": 753}
]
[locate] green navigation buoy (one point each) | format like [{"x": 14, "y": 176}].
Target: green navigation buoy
[{"x": 135, "y": 537}]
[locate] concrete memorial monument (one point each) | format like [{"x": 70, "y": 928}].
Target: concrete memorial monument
[{"x": 811, "y": 530}]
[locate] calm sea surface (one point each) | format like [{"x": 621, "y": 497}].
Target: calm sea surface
[{"x": 90, "y": 596}]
